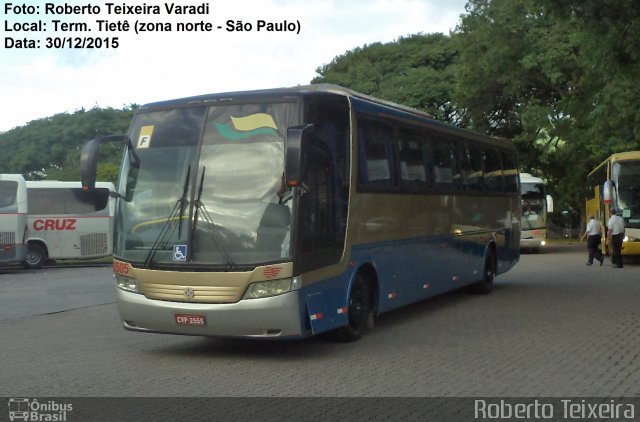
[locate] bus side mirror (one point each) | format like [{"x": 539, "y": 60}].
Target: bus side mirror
[
  {"x": 607, "y": 192},
  {"x": 89, "y": 163},
  {"x": 293, "y": 157},
  {"x": 549, "y": 204},
  {"x": 89, "y": 159}
]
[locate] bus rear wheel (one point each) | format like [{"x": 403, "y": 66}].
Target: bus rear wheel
[
  {"x": 36, "y": 256},
  {"x": 361, "y": 312},
  {"x": 485, "y": 286}
]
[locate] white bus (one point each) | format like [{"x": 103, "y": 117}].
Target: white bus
[
  {"x": 13, "y": 218},
  {"x": 536, "y": 205},
  {"x": 66, "y": 222}
]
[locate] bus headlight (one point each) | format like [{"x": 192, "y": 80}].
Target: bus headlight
[
  {"x": 268, "y": 288},
  {"x": 127, "y": 284}
]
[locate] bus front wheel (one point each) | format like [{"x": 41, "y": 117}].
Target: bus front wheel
[
  {"x": 361, "y": 312},
  {"x": 36, "y": 256}
]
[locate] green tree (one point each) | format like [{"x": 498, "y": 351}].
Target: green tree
[
  {"x": 414, "y": 71},
  {"x": 606, "y": 35},
  {"x": 559, "y": 78},
  {"x": 50, "y": 147},
  {"x": 511, "y": 75}
]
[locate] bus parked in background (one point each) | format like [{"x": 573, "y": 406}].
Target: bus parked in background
[
  {"x": 536, "y": 206},
  {"x": 615, "y": 183},
  {"x": 13, "y": 218},
  {"x": 291, "y": 212},
  {"x": 66, "y": 222}
]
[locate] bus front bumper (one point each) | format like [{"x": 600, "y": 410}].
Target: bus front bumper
[
  {"x": 532, "y": 243},
  {"x": 631, "y": 247},
  {"x": 272, "y": 317}
]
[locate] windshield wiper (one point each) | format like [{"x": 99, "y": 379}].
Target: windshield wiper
[
  {"x": 183, "y": 202},
  {"x": 200, "y": 208},
  {"x": 167, "y": 228}
]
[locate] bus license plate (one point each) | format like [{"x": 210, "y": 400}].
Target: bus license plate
[{"x": 190, "y": 319}]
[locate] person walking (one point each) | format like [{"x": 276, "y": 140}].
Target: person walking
[
  {"x": 593, "y": 234},
  {"x": 615, "y": 235}
]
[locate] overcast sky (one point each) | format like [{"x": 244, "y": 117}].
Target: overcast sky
[{"x": 146, "y": 67}]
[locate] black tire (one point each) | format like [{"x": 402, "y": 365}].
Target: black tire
[
  {"x": 485, "y": 286},
  {"x": 36, "y": 256},
  {"x": 361, "y": 312}
]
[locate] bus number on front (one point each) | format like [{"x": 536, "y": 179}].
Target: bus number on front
[{"x": 120, "y": 267}]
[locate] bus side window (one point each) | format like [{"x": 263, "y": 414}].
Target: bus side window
[
  {"x": 414, "y": 161},
  {"x": 376, "y": 151},
  {"x": 46, "y": 201},
  {"x": 463, "y": 171},
  {"x": 443, "y": 164},
  {"x": 493, "y": 170},
  {"x": 476, "y": 178},
  {"x": 511, "y": 179}
]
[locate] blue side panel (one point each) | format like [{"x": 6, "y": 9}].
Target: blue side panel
[
  {"x": 407, "y": 271},
  {"x": 469, "y": 257},
  {"x": 326, "y": 310},
  {"x": 416, "y": 269},
  {"x": 509, "y": 252}
]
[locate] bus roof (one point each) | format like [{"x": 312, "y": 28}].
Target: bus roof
[
  {"x": 527, "y": 178},
  {"x": 623, "y": 156},
  {"x": 285, "y": 92},
  {"x": 618, "y": 156},
  {"x": 11, "y": 177},
  {"x": 64, "y": 184},
  {"x": 303, "y": 90}
]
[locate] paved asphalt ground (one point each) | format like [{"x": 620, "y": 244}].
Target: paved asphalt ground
[{"x": 552, "y": 328}]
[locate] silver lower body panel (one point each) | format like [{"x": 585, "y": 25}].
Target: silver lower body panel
[{"x": 272, "y": 317}]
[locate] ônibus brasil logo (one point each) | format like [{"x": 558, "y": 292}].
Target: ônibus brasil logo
[{"x": 31, "y": 410}]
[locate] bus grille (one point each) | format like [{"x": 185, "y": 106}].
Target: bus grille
[
  {"x": 202, "y": 294},
  {"x": 94, "y": 244},
  {"x": 7, "y": 246}
]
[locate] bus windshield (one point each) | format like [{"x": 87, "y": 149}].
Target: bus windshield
[
  {"x": 208, "y": 188},
  {"x": 533, "y": 206},
  {"x": 626, "y": 176}
]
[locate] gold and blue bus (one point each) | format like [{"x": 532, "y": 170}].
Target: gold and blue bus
[
  {"x": 291, "y": 212},
  {"x": 13, "y": 219},
  {"x": 615, "y": 183}
]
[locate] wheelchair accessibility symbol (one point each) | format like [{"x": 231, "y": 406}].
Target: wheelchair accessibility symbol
[{"x": 179, "y": 252}]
